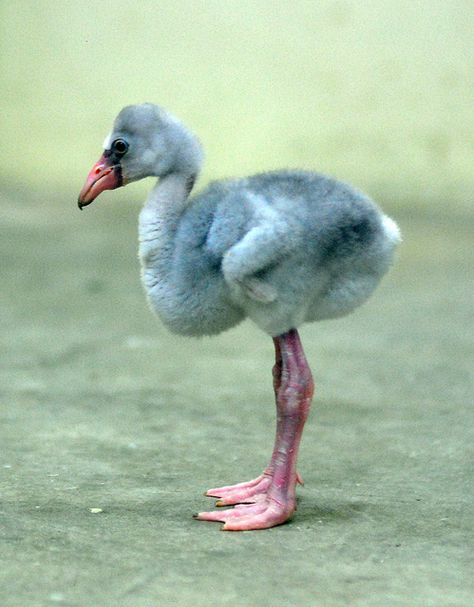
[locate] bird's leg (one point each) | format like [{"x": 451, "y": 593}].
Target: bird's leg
[
  {"x": 255, "y": 489},
  {"x": 273, "y": 493},
  {"x": 277, "y": 372},
  {"x": 252, "y": 491}
]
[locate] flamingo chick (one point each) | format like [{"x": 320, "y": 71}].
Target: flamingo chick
[{"x": 281, "y": 248}]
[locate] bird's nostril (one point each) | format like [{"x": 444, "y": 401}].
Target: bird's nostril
[{"x": 97, "y": 171}]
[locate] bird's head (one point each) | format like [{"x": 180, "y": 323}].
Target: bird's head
[{"x": 145, "y": 140}]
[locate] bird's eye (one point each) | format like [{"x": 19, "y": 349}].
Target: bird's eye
[{"x": 120, "y": 146}]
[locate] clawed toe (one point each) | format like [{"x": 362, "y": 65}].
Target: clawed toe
[
  {"x": 222, "y": 516},
  {"x": 245, "y": 517},
  {"x": 220, "y": 491},
  {"x": 242, "y": 493}
]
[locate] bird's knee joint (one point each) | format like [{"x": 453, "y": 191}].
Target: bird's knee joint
[{"x": 295, "y": 391}]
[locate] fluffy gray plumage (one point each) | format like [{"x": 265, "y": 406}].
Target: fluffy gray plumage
[{"x": 280, "y": 248}]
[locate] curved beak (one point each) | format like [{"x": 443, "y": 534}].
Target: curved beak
[{"x": 104, "y": 175}]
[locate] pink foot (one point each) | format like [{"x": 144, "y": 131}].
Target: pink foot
[
  {"x": 248, "y": 492},
  {"x": 245, "y": 493},
  {"x": 266, "y": 513}
]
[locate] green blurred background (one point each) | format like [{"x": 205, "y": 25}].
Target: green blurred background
[{"x": 379, "y": 93}]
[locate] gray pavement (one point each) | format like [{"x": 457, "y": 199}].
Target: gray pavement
[{"x": 111, "y": 429}]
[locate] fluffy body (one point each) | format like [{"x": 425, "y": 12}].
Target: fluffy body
[{"x": 281, "y": 248}]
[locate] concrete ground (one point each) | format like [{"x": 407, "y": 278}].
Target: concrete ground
[{"x": 111, "y": 429}]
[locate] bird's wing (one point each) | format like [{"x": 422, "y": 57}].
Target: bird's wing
[{"x": 262, "y": 247}]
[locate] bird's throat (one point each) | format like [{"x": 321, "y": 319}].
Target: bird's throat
[{"x": 171, "y": 193}]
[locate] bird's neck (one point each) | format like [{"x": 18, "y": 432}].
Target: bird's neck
[
  {"x": 170, "y": 194},
  {"x": 159, "y": 220},
  {"x": 166, "y": 203},
  {"x": 177, "y": 175}
]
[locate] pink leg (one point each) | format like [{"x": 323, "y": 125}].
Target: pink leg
[
  {"x": 272, "y": 494},
  {"x": 255, "y": 490}
]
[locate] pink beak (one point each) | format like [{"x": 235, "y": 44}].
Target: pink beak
[{"x": 103, "y": 176}]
